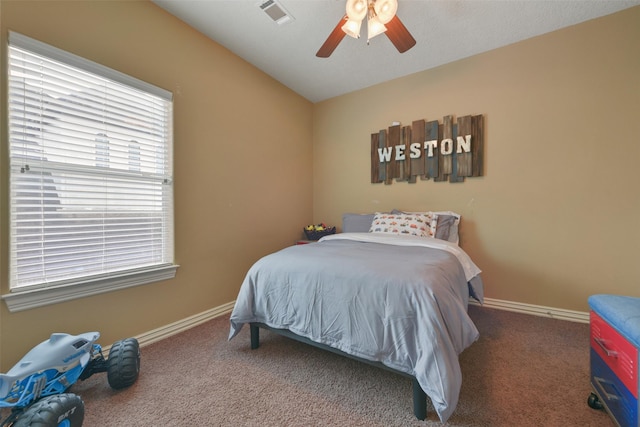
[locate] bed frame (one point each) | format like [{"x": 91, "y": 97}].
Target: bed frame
[{"x": 419, "y": 396}]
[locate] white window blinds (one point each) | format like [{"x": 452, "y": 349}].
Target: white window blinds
[{"x": 91, "y": 191}]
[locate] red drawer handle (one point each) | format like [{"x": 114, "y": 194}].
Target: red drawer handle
[{"x": 603, "y": 346}]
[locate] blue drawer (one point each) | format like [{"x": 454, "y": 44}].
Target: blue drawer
[{"x": 620, "y": 403}]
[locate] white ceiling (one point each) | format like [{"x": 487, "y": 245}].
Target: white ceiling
[{"x": 445, "y": 31}]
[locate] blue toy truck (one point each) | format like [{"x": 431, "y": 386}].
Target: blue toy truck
[{"x": 36, "y": 388}]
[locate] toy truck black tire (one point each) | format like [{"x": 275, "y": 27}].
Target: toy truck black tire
[
  {"x": 66, "y": 409},
  {"x": 123, "y": 364}
]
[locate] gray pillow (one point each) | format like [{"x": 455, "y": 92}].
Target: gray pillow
[
  {"x": 445, "y": 226},
  {"x": 356, "y": 223}
]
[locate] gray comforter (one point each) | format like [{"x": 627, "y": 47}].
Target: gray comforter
[{"x": 398, "y": 300}]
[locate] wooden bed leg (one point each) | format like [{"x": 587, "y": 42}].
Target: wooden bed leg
[
  {"x": 255, "y": 336},
  {"x": 419, "y": 401}
]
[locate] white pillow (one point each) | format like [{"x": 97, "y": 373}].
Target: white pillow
[{"x": 415, "y": 224}]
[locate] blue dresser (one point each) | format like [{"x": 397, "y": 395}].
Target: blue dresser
[{"x": 615, "y": 344}]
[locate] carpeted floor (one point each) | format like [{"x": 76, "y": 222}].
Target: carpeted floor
[{"x": 523, "y": 371}]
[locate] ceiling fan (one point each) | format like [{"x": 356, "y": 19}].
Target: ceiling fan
[{"x": 381, "y": 18}]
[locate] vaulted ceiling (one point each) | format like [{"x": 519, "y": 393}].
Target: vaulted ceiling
[{"x": 445, "y": 31}]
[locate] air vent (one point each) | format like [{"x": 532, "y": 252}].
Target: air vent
[{"x": 276, "y": 12}]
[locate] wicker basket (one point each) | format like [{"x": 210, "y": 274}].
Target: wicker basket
[{"x": 316, "y": 235}]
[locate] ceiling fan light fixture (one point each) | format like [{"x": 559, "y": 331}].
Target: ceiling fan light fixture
[
  {"x": 374, "y": 28},
  {"x": 379, "y": 14},
  {"x": 374, "y": 24},
  {"x": 352, "y": 28},
  {"x": 385, "y": 9},
  {"x": 357, "y": 9}
]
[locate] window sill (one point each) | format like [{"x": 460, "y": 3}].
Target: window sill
[{"x": 28, "y": 299}]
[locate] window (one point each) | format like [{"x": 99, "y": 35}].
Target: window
[{"x": 91, "y": 194}]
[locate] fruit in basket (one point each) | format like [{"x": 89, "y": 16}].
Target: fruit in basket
[{"x": 316, "y": 227}]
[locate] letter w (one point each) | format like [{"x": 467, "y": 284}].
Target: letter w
[{"x": 384, "y": 154}]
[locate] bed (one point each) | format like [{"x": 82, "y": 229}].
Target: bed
[{"x": 389, "y": 298}]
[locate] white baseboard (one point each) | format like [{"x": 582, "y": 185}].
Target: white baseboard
[
  {"x": 184, "y": 324},
  {"x": 536, "y": 310},
  {"x": 174, "y": 328},
  {"x": 171, "y": 329}
]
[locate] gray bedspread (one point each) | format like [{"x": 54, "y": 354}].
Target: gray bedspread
[{"x": 390, "y": 299}]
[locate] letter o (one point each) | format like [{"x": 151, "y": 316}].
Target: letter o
[{"x": 446, "y": 146}]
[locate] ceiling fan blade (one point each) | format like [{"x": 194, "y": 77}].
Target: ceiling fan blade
[
  {"x": 399, "y": 35},
  {"x": 332, "y": 41}
]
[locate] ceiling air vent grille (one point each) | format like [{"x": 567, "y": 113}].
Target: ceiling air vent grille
[{"x": 276, "y": 12}]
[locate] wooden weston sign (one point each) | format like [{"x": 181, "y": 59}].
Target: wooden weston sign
[{"x": 445, "y": 152}]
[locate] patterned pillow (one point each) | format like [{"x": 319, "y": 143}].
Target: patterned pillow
[
  {"x": 416, "y": 224},
  {"x": 447, "y": 224}
]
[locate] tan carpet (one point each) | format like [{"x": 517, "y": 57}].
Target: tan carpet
[{"x": 523, "y": 371}]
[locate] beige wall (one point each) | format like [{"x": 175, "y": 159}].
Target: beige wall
[
  {"x": 554, "y": 219},
  {"x": 551, "y": 222},
  {"x": 242, "y": 164}
]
